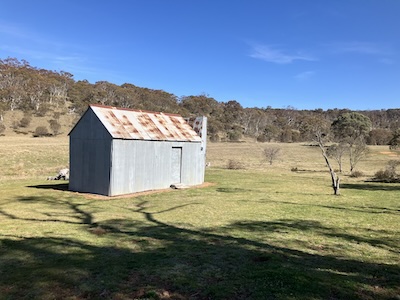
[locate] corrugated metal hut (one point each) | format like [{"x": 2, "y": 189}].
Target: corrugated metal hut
[{"x": 116, "y": 151}]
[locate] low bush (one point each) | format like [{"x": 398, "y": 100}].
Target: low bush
[
  {"x": 235, "y": 165},
  {"x": 43, "y": 110},
  {"x": 234, "y": 135},
  {"x": 41, "y": 131},
  {"x": 55, "y": 126},
  {"x": 25, "y": 121},
  {"x": 262, "y": 139},
  {"x": 389, "y": 174},
  {"x": 2, "y": 127},
  {"x": 56, "y": 115},
  {"x": 214, "y": 138},
  {"x": 356, "y": 174},
  {"x": 15, "y": 125}
]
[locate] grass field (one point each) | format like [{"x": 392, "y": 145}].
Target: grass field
[{"x": 262, "y": 232}]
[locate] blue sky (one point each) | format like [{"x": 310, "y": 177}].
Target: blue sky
[{"x": 305, "y": 54}]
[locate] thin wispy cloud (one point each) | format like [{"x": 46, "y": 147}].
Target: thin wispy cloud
[
  {"x": 76, "y": 64},
  {"x": 386, "y": 61},
  {"x": 278, "y": 56},
  {"x": 25, "y": 41},
  {"x": 12, "y": 31},
  {"x": 19, "y": 34},
  {"x": 18, "y": 41},
  {"x": 367, "y": 48},
  {"x": 305, "y": 75},
  {"x": 382, "y": 53},
  {"x": 41, "y": 54}
]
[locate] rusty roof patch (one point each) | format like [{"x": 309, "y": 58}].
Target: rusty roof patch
[{"x": 124, "y": 123}]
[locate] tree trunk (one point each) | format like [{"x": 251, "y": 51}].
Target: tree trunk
[
  {"x": 334, "y": 177},
  {"x": 336, "y": 187}
]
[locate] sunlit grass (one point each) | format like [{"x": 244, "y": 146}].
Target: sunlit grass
[{"x": 264, "y": 232}]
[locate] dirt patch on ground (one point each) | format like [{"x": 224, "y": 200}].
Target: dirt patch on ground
[
  {"x": 134, "y": 195},
  {"x": 389, "y": 153}
]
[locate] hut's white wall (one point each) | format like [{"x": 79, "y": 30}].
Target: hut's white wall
[
  {"x": 148, "y": 165},
  {"x": 89, "y": 156}
]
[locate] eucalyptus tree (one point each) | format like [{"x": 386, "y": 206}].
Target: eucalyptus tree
[
  {"x": 319, "y": 131},
  {"x": 352, "y": 128},
  {"x": 322, "y": 139}
]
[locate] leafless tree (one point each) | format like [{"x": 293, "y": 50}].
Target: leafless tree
[
  {"x": 271, "y": 153},
  {"x": 336, "y": 151},
  {"x": 357, "y": 152}
]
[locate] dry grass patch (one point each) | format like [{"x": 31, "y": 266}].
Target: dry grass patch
[{"x": 28, "y": 157}]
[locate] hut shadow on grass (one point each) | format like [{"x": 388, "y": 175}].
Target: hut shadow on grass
[
  {"x": 52, "y": 186},
  {"x": 145, "y": 257}
]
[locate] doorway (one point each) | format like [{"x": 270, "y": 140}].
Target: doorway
[{"x": 176, "y": 165}]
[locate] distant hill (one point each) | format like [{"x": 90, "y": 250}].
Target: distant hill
[{"x": 38, "y": 101}]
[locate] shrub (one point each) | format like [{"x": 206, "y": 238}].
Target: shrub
[
  {"x": 2, "y": 128},
  {"x": 41, "y": 131},
  {"x": 234, "y": 165},
  {"x": 214, "y": 137},
  {"x": 55, "y": 126},
  {"x": 234, "y": 135},
  {"x": 262, "y": 139},
  {"x": 389, "y": 174},
  {"x": 43, "y": 110},
  {"x": 25, "y": 121},
  {"x": 385, "y": 176},
  {"x": 56, "y": 115},
  {"x": 15, "y": 125},
  {"x": 356, "y": 174}
]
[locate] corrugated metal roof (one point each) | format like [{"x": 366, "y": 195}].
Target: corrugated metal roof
[{"x": 144, "y": 125}]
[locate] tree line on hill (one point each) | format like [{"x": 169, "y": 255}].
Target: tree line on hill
[{"x": 39, "y": 91}]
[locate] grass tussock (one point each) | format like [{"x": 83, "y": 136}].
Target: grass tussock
[{"x": 259, "y": 233}]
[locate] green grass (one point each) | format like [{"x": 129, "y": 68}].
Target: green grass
[{"x": 260, "y": 233}]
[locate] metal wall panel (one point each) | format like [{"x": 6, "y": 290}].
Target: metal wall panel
[
  {"x": 193, "y": 164},
  {"x": 90, "y": 151},
  {"x": 147, "y": 165}
]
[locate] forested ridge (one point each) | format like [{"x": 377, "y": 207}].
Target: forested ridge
[{"x": 39, "y": 92}]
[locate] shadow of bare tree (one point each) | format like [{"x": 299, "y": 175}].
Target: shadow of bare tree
[
  {"x": 361, "y": 209},
  {"x": 145, "y": 258},
  {"x": 369, "y": 186}
]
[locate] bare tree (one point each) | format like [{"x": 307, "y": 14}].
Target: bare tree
[
  {"x": 336, "y": 151},
  {"x": 271, "y": 153},
  {"x": 357, "y": 152}
]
